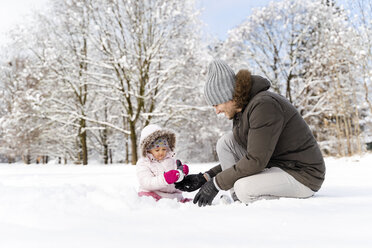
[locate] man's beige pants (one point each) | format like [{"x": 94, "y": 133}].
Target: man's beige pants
[{"x": 271, "y": 183}]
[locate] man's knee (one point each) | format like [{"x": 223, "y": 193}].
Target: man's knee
[
  {"x": 224, "y": 143},
  {"x": 248, "y": 194},
  {"x": 242, "y": 192},
  {"x": 273, "y": 182}
]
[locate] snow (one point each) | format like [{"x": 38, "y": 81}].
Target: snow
[{"x": 97, "y": 206}]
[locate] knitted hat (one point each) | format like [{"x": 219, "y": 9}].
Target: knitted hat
[
  {"x": 220, "y": 84},
  {"x": 160, "y": 142}
]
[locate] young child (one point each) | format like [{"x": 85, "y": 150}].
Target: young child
[{"x": 157, "y": 170}]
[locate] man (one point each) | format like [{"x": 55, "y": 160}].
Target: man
[{"x": 270, "y": 153}]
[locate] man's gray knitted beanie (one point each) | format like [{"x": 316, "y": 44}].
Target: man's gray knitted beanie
[{"x": 220, "y": 84}]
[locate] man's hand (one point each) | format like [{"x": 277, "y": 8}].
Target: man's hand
[
  {"x": 206, "y": 194},
  {"x": 191, "y": 182}
]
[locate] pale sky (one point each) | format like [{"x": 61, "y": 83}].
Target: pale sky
[
  {"x": 219, "y": 15},
  {"x": 13, "y": 12},
  {"x": 222, "y": 15}
]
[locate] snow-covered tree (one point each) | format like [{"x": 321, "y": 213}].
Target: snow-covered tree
[
  {"x": 361, "y": 17},
  {"x": 68, "y": 33},
  {"x": 307, "y": 50},
  {"x": 85, "y": 77},
  {"x": 112, "y": 67},
  {"x": 145, "y": 49},
  {"x": 21, "y": 129}
]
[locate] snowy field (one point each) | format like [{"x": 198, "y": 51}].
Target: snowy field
[{"x": 97, "y": 206}]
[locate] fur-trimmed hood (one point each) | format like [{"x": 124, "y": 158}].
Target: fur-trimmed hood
[
  {"x": 151, "y": 133},
  {"x": 247, "y": 86}
]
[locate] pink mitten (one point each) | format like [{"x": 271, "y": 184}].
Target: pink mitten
[
  {"x": 171, "y": 176},
  {"x": 185, "y": 169}
]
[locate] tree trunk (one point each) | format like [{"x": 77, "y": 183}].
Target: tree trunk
[
  {"x": 83, "y": 141},
  {"x": 288, "y": 92},
  {"x": 351, "y": 135},
  {"x": 10, "y": 160},
  {"x": 133, "y": 141},
  {"x": 105, "y": 146},
  {"x": 110, "y": 155},
  {"x": 26, "y": 159},
  {"x": 341, "y": 148},
  {"x": 126, "y": 148},
  {"x": 105, "y": 154}
]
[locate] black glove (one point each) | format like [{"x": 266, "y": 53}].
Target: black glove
[
  {"x": 206, "y": 194},
  {"x": 191, "y": 182}
]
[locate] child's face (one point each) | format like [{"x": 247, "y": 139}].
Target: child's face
[{"x": 159, "y": 153}]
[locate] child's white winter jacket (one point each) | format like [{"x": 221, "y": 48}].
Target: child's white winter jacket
[{"x": 150, "y": 172}]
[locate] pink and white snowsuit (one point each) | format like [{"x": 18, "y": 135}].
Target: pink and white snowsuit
[
  {"x": 150, "y": 171},
  {"x": 150, "y": 174}
]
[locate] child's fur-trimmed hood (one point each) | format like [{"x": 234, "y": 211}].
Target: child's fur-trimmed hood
[{"x": 151, "y": 133}]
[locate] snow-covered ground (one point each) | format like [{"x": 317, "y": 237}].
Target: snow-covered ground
[{"x": 97, "y": 206}]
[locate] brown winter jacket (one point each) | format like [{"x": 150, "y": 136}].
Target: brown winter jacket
[{"x": 275, "y": 135}]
